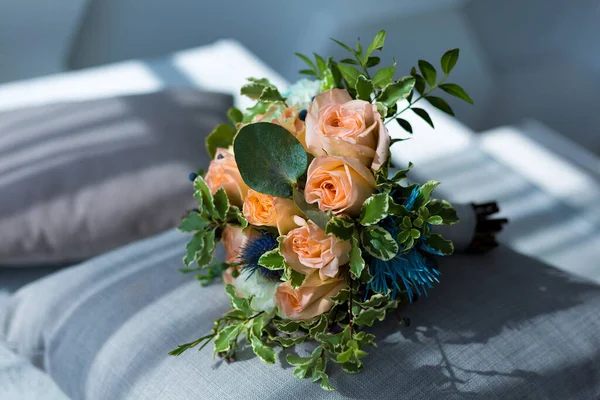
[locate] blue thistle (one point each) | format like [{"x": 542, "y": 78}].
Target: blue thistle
[
  {"x": 414, "y": 271},
  {"x": 253, "y": 249}
]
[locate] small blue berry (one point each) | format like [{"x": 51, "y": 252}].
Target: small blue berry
[
  {"x": 220, "y": 156},
  {"x": 192, "y": 176},
  {"x": 302, "y": 115}
]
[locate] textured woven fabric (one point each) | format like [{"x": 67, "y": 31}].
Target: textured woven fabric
[
  {"x": 79, "y": 179},
  {"x": 500, "y": 326},
  {"x": 19, "y": 380}
]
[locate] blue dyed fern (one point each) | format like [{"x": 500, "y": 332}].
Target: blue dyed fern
[
  {"x": 413, "y": 272},
  {"x": 253, "y": 249}
]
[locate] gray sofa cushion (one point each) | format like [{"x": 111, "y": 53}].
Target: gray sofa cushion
[
  {"x": 499, "y": 326},
  {"x": 78, "y": 179}
]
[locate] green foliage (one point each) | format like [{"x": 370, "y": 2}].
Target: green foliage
[
  {"x": 270, "y": 158},
  {"x": 350, "y": 74},
  {"x": 443, "y": 209},
  {"x": 225, "y": 337},
  {"x": 192, "y": 222},
  {"x": 440, "y": 104},
  {"x": 428, "y": 72},
  {"x": 311, "y": 211},
  {"x": 384, "y": 76},
  {"x": 262, "y": 351},
  {"x": 235, "y": 116},
  {"x": 364, "y": 88},
  {"x": 448, "y": 60},
  {"x": 272, "y": 260},
  {"x": 379, "y": 243},
  {"x": 397, "y": 91},
  {"x": 424, "y": 115},
  {"x": 374, "y": 209},
  {"x": 342, "y": 227},
  {"x": 221, "y": 137},
  {"x": 357, "y": 263},
  {"x": 405, "y": 125},
  {"x": 437, "y": 242},
  {"x": 456, "y": 91},
  {"x": 262, "y": 90}
]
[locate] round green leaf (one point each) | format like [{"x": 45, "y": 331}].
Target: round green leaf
[{"x": 270, "y": 158}]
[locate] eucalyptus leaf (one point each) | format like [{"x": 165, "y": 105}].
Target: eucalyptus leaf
[
  {"x": 221, "y": 137},
  {"x": 270, "y": 158}
]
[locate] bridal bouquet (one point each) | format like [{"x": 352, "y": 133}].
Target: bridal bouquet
[{"x": 321, "y": 238}]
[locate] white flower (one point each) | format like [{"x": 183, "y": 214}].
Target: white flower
[
  {"x": 301, "y": 93},
  {"x": 260, "y": 289}
]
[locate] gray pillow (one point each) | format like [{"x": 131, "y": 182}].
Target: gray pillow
[
  {"x": 499, "y": 326},
  {"x": 78, "y": 179}
]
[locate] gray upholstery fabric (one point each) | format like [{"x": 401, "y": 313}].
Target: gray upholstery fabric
[
  {"x": 78, "y": 179},
  {"x": 499, "y": 326}
]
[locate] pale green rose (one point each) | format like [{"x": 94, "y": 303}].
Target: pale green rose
[
  {"x": 301, "y": 93},
  {"x": 260, "y": 289}
]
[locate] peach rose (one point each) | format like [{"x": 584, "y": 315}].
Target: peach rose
[
  {"x": 338, "y": 184},
  {"x": 223, "y": 173},
  {"x": 310, "y": 299},
  {"x": 233, "y": 238},
  {"x": 266, "y": 210},
  {"x": 309, "y": 248},
  {"x": 228, "y": 278},
  {"x": 287, "y": 118},
  {"x": 336, "y": 125}
]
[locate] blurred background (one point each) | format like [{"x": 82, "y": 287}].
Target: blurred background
[
  {"x": 531, "y": 141},
  {"x": 519, "y": 58}
]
